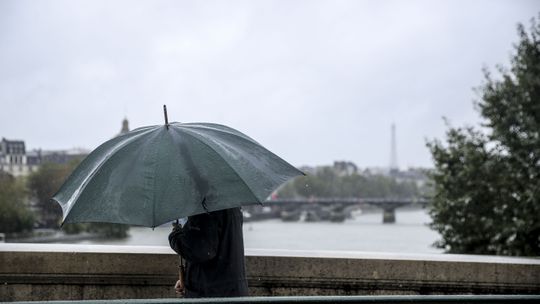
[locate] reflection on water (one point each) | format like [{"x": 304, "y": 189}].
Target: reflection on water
[{"x": 365, "y": 233}]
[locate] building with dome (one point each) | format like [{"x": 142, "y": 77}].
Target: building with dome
[{"x": 125, "y": 127}]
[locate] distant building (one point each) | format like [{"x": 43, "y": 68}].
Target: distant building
[
  {"x": 13, "y": 157},
  {"x": 345, "y": 168},
  {"x": 125, "y": 127},
  {"x": 308, "y": 170},
  {"x": 33, "y": 160},
  {"x": 376, "y": 171},
  {"x": 15, "y": 161},
  {"x": 59, "y": 156}
]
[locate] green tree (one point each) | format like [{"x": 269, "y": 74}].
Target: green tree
[
  {"x": 43, "y": 185},
  {"x": 74, "y": 228},
  {"x": 15, "y": 216},
  {"x": 46, "y": 182},
  {"x": 327, "y": 183},
  {"x": 109, "y": 230},
  {"x": 487, "y": 184}
]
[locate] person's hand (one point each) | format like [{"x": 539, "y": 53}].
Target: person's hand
[
  {"x": 179, "y": 287},
  {"x": 176, "y": 226}
]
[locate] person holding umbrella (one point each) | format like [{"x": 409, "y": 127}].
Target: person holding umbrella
[
  {"x": 156, "y": 174},
  {"x": 213, "y": 247}
]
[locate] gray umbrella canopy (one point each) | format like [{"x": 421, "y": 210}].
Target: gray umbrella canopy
[{"x": 153, "y": 175}]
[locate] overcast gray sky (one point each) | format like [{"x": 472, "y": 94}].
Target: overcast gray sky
[{"x": 313, "y": 81}]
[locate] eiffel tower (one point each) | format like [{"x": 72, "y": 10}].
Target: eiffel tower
[{"x": 393, "y": 152}]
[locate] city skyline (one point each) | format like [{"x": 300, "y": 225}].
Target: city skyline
[
  {"x": 312, "y": 81},
  {"x": 392, "y": 165}
]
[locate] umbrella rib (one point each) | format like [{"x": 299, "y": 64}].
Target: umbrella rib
[
  {"x": 196, "y": 136},
  {"x": 194, "y": 126},
  {"x": 225, "y": 129},
  {"x": 154, "y": 186}
]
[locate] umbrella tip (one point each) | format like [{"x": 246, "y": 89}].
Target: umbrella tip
[{"x": 166, "y": 118}]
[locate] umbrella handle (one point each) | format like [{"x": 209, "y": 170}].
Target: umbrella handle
[
  {"x": 166, "y": 118},
  {"x": 181, "y": 284}
]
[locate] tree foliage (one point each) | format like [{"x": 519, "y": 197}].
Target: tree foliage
[
  {"x": 109, "y": 230},
  {"x": 15, "y": 216},
  {"x": 45, "y": 182},
  {"x": 326, "y": 182},
  {"x": 487, "y": 184}
]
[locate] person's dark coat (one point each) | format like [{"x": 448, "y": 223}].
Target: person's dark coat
[{"x": 212, "y": 245}]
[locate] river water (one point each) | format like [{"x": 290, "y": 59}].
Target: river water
[{"x": 409, "y": 234}]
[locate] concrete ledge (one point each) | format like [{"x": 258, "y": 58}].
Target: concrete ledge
[
  {"x": 484, "y": 299},
  {"x": 369, "y": 273},
  {"x": 76, "y": 272}
]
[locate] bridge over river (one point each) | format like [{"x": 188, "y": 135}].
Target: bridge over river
[{"x": 342, "y": 207}]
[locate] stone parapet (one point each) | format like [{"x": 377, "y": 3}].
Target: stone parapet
[{"x": 75, "y": 272}]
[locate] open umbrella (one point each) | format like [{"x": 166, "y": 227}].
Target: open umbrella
[{"x": 153, "y": 175}]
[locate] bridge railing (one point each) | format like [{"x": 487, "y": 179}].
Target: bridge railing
[
  {"x": 348, "y": 200},
  {"x": 388, "y": 205}
]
